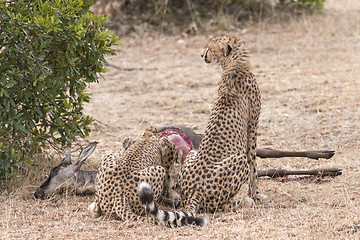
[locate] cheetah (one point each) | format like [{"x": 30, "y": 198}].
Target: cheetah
[
  {"x": 211, "y": 177},
  {"x": 146, "y": 159}
]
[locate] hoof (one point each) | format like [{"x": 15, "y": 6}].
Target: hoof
[
  {"x": 247, "y": 202},
  {"x": 330, "y": 154},
  {"x": 320, "y": 154},
  {"x": 261, "y": 198}
]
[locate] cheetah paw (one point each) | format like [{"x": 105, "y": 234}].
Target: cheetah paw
[{"x": 94, "y": 210}]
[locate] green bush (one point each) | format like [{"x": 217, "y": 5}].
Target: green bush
[
  {"x": 304, "y": 5},
  {"x": 180, "y": 13},
  {"x": 49, "y": 52}
]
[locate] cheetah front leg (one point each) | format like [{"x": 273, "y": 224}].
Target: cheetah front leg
[
  {"x": 253, "y": 188},
  {"x": 172, "y": 196},
  {"x": 191, "y": 199},
  {"x": 251, "y": 157}
]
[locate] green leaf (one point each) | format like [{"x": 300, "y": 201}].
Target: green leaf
[{"x": 52, "y": 52}]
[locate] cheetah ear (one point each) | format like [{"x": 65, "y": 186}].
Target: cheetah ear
[
  {"x": 164, "y": 141},
  {"x": 242, "y": 42},
  {"x": 127, "y": 142},
  {"x": 226, "y": 48},
  {"x": 150, "y": 131}
]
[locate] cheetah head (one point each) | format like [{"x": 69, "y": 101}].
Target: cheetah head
[
  {"x": 169, "y": 153},
  {"x": 222, "y": 49}
]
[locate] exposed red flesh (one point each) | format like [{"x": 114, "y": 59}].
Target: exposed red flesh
[{"x": 180, "y": 140}]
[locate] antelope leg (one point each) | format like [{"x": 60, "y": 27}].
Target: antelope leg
[
  {"x": 272, "y": 153},
  {"x": 274, "y": 173}
]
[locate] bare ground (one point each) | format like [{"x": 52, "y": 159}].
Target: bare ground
[{"x": 308, "y": 70}]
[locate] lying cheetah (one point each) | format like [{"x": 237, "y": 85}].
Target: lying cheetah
[
  {"x": 225, "y": 160},
  {"x": 147, "y": 159}
]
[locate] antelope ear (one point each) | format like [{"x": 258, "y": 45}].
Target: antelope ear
[
  {"x": 226, "y": 48},
  {"x": 85, "y": 153},
  {"x": 67, "y": 159}
]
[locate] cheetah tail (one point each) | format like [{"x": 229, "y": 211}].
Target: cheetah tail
[{"x": 166, "y": 218}]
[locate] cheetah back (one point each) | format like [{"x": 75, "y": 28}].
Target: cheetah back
[
  {"x": 147, "y": 159},
  {"x": 226, "y": 154}
]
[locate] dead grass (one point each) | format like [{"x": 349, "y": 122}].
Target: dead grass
[{"x": 308, "y": 71}]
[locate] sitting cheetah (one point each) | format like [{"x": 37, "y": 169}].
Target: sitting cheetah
[
  {"x": 210, "y": 178},
  {"x": 147, "y": 159}
]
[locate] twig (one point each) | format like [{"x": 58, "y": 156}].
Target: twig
[
  {"x": 121, "y": 68},
  {"x": 164, "y": 15},
  {"x": 137, "y": 68}
]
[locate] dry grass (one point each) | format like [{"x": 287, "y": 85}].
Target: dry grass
[{"x": 308, "y": 70}]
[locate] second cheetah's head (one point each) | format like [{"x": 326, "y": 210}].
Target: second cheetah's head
[{"x": 221, "y": 49}]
